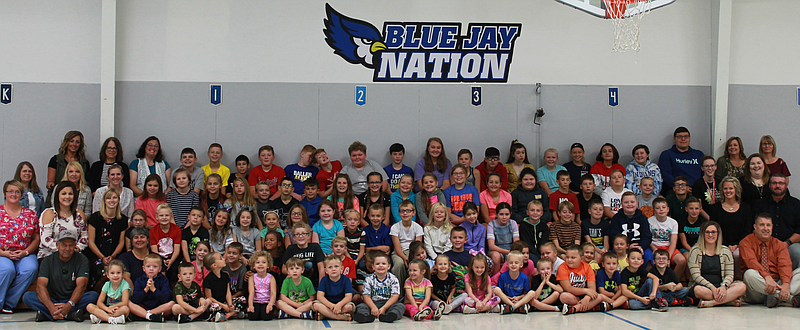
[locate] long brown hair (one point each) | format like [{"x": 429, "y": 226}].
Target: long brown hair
[
  {"x": 81, "y": 153},
  {"x": 441, "y": 162},
  {"x": 348, "y": 195},
  {"x": 423, "y": 194},
  {"x": 473, "y": 278},
  {"x": 33, "y": 186}
]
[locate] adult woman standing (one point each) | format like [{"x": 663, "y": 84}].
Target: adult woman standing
[
  {"x": 517, "y": 161},
  {"x": 436, "y": 162},
  {"x": 110, "y": 154},
  {"x": 72, "y": 149},
  {"x": 733, "y": 162},
  {"x": 641, "y": 167},
  {"x": 711, "y": 269},
  {"x": 83, "y": 193},
  {"x": 149, "y": 160},
  {"x": 115, "y": 180},
  {"x": 64, "y": 215},
  {"x": 106, "y": 234},
  {"x": 755, "y": 184},
  {"x": 768, "y": 149},
  {"x": 31, "y": 194},
  {"x": 19, "y": 239}
]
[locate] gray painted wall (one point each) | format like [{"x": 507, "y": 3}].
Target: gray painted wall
[{"x": 291, "y": 115}]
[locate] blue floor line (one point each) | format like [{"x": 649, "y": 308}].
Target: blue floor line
[
  {"x": 626, "y": 321},
  {"x": 16, "y": 321},
  {"x": 325, "y": 322}
]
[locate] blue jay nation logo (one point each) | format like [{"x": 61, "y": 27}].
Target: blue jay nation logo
[{"x": 424, "y": 51}]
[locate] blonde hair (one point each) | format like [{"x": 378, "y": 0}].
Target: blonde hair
[
  {"x": 446, "y": 225},
  {"x": 82, "y": 182},
  {"x": 163, "y": 206},
  {"x": 435, "y": 270},
  {"x": 104, "y": 210},
  {"x": 553, "y": 150},
  {"x": 262, "y": 254}
]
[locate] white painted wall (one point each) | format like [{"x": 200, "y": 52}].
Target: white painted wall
[
  {"x": 282, "y": 41},
  {"x": 50, "y": 41}
]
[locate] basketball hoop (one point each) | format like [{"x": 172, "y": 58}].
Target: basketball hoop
[{"x": 626, "y": 16}]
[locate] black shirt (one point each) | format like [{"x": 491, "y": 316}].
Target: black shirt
[
  {"x": 441, "y": 288},
  {"x": 634, "y": 280},
  {"x": 62, "y": 276},
  {"x": 311, "y": 254},
  {"x": 785, "y": 215},
  {"x": 575, "y": 174},
  {"x": 668, "y": 277},
  {"x": 219, "y": 286},
  {"x": 536, "y": 281},
  {"x": 583, "y": 205},
  {"x": 106, "y": 233},
  {"x": 193, "y": 239},
  {"x": 736, "y": 225}
]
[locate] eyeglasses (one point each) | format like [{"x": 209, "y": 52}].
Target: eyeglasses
[
  {"x": 286, "y": 185},
  {"x": 113, "y": 148},
  {"x": 405, "y": 211},
  {"x": 662, "y": 259},
  {"x": 680, "y": 185},
  {"x": 709, "y": 166},
  {"x": 778, "y": 183},
  {"x": 682, "y": 136},
  {"x": 13, "y": 192},
  {"x": 711, "y": 232},
  {"x": 152, "y": 145},
  {"x": 766, "y": 144},
  {"x": 296, "y": 213},
  {"x": 493, "y": 158},
  {"x": 458, "y": 173},
  {"x": 300, "y": 235}
]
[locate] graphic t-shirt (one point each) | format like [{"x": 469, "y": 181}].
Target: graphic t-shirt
[
  {"x": 662, "y": 231},
  {"x": 165, "y": 241},
  {"x": 577, "y": 277},
  {"x": 299, "y": 175},
  {"x": 190, "y": 295},
  {"x": 298, "y": 293},
  {"x": 193, "y": 239},
  {"x": 608, "y": 283},
  {"x": 115, "y": 296},
  {"x": 597, "y": 232},
  {"x": 442, "y": 287},
  {"x": 381, "y": 290},
  {"x": 633, "y": 280},
  {"x": 536, "y": 281},
  {"x": 417, "y": 290},
  {"x": 272, "y": 177}
]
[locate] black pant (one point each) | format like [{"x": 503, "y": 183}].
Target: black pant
[{"x": 261, "y": 313}]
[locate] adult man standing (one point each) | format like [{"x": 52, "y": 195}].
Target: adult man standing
[
  {"x": 680, "y": 160},
  {"x": 360, "y": 167},
  {"x": 61, "y": 287},
  {"x": 767, "y": 267},
  {"x": 785, "y": 213}
]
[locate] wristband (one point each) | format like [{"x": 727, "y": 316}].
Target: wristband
[{"x": 71, "y": 303}]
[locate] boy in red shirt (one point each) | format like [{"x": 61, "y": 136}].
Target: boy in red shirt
[
  {"x": 267, "y": 172},
  {"x": 563, "y": 194}
]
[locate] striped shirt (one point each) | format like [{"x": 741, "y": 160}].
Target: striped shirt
[{"x": 181, "y": 205}]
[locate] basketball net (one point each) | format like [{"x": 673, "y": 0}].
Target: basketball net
[{"x": 626, "y": 16}]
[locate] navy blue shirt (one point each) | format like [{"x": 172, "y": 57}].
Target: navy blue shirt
[
  {"x": 335, "y": 291},
  {"x": 378, "y": 237}
]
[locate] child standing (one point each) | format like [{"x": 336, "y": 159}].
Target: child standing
[
  {"x": 165, "y": 240},
  {"x": 527, "y": 192},
  {"x": 479, "y": 288},
  {"x": 242, "y": 168},
  {"x": 565, "y": 232},
  {"x": 545, "y": 287},
  {"x": 211, "y": 199},
  {"x": 237, "y": 273},
  {"x": 589, "y": 256},
  {"x": 459, "y": 193},
  {"x": 396, "y": 169},
  {"x": 595, "y": 231},
  {"x": 532, "y": 230},
  {"x": 217, "y": 289},
  {"x": 612, "y": 196},
  {"x": 193, "y": 234},
  {"x": 378, "y": 234},
  {"x": 418, "y": 293},
  {"x": 182, "y": 199},
  {"x": 152, "y": 197},
  {"x": 444, "y": 286},
  {"x": 563, "y": 195},
  {"x": 381, "y": 293},
  {"x": 356, "y": 238},
  {"x": 416, "y": 250},
  {"x": 334, "y": 297},
  {"x": 189, "y": 301},
  {"x": 437, "y": 233},
  {"x": 151, "y": 298},
  {"x": 639, "y": 286},
  {"x": 547, "y": 173},
  {"x": 328, "y": 170},
  {"x": 302, "y": 171},
  {"x": 578, "y": 281},
  {"x": 528, "y": 268},
  {"x": 689, "y": 226},
  {"x": 548, "y": 251},
  {"x": 221, "y": 234},
  {"x": 214, "y": 166},
  {"x": 403, "y": 193},
  {"x": 311, "y": 200},
  {"x": 245, "y": 234},
  {"x": 500, "y": 234},
  {"x": 326, "y": 229},
  {"x": 403, "y": 233},
  {"x": 261, "y": 287},
  {"x": 620, "y": 243},
  {"x": 348, "y": 265},
  {"x": 513, "y": 287},
  {"x": 310, "y": 254},
  {"x": 201, "y": 250},
  {"x": 196, "y": 175},
  {"x": 633, "y": 224},
  {"x": 112, "y": 304},
  {"x": 284, "y": 201},
  {"x": 665, "y": 234}
]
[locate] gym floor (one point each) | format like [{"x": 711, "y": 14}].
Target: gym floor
[{"x": 729, "y": 318}]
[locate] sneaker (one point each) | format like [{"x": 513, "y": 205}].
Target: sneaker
[
  {"x": 796, "y": 300},
  {"x": 241, "y": 315},
  {"x": 567, "y": 309},
  {"x": 220, "y": 317},
  {"x": 112, "y": 320},
  {"x": 496, "y": 309},
  {"x": 157, "y": 318},
  {"x": 659, "y": 305},
  {"x": 363, "y": 318},
  {"x": 683, "y": 302},
  {"x": 40, "y": 317},
  {"x": 388, "y": 318},
  {"x": 6, "y": 311},
  {"x": 601, "y": 307},
  {"x": 437, "y": 313},
  {"x": 282, "y": 315},
  {"x": 309, "y": 315},
  {"x": 119, "y": 319},
  {"x": 468, "y": 310},
  {"x": 505, "y": 309},
  {"x": 76, "y": 315},
  {"x": 422, "y": 314},
  {"x": 183, "y": 318},
  {"x": 524, "y": 309},
  {"x": 771, "y": 301},
  {"x": 96, "y": 320},
  {"x": 447, "y": 309}
]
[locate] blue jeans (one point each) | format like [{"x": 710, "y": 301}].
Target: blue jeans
[
  {"x": 31, "y": 299},
  {"x": 644, "y": 291},
  {"x": 15, "y": 278},
  {"x": 671, "y": 295}
]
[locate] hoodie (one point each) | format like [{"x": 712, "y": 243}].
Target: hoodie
[
  {"x": 520, "y": 198},
  {"x": 675, "y": 163},
  {"x": 635, "y": 172},
  {"x": 637, "y": 228}
]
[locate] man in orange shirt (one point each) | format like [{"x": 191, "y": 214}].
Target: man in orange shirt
[{"x": 767, "y": 267}]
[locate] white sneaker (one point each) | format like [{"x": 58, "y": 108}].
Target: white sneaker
[
  {"x": 447, "y": 309},
  {"x": 496, "y": 309},
  {"x": 469, "y": 310},
  {"x": 120, "y": 319},
  {"x": 95, "y": 319}
]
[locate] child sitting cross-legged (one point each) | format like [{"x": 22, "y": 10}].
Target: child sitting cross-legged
[
  {"x": 670, "y": 286},
  {"x": 112, "y": 305},
  {"x": 189, "y": 301},
  {"x": 608, "y": 281},
  {"x": 513, "y": 287},
  {"x": 151, "y": 297},
  {"x": 545, "y": 287},
  {"x": 444, "y": 286},
  {"x": 418, "y": 289},
  {"x": 479, "y": 287},
  {"x": 296, "y": 292},
  {"x": 335, "y": 292},
  {"x": 639, "y": 286},
  {"x": 578, "y": 281},
  {"x": 217, "y": 288},
  {"x": 381, "y": 293}
]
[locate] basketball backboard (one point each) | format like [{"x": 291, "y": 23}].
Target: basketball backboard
[{"x": 598, "y": 7}]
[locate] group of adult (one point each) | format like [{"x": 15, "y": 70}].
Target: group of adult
[{"x": 54, "y": 226}]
